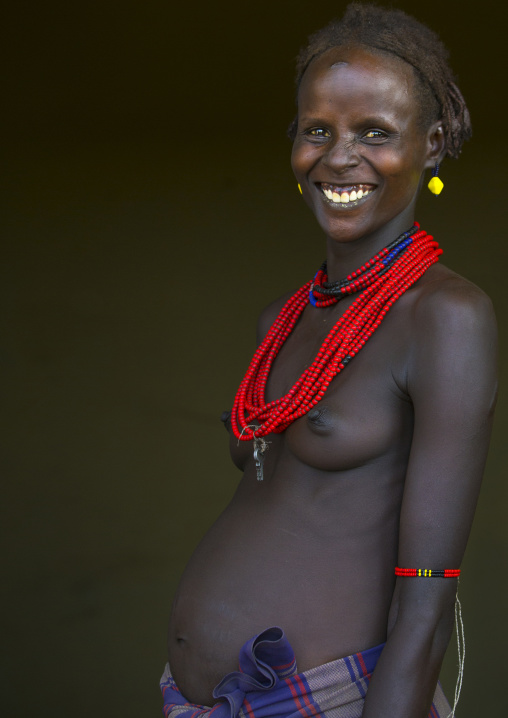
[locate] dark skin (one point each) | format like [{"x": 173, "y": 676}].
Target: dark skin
[{"x": 386, "y": 469}]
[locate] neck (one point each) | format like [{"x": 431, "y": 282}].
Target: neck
[{"x": 344, "y": 257}]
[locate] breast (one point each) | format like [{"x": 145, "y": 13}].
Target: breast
[
  {"x": 363, "y": 416},
  {"x": 339, "y": 435}
]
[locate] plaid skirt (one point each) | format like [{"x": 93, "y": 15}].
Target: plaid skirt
[{"x": 267, "y": 685}]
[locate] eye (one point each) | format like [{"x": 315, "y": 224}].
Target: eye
[
  {"x": 318, "y": 133},
  {"x": 374, "y": 135}
]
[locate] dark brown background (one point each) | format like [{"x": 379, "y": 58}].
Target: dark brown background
[{"x": 149, "y": 213}]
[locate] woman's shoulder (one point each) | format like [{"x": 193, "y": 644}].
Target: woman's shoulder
[
  {"x": 447, "y": 299},
  {"x": 454, "y": 333}
]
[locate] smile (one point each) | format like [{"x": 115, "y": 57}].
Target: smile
[{"x": 346, "y": 195}]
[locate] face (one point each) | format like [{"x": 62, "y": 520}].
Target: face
[{"x": 359, "y": 154}]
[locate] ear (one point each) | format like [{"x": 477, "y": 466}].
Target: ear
[{"x": 436, "y": 149}]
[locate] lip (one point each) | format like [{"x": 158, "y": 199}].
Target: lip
[{"x": 367, "y": 188}]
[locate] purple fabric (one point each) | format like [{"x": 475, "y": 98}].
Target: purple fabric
[{"x": 267, "y": 685}]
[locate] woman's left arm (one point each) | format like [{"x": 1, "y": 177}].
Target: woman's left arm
[{"x": 451, "y": 379}]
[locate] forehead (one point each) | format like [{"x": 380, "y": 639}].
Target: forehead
[{"x": 365, "y": 76}]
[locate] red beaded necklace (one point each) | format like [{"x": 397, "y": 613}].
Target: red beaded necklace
[{"x": 383, "y": 279}]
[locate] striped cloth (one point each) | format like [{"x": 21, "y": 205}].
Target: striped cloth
[{"x": 267, "y": 685}]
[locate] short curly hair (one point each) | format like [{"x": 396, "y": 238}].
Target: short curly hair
[{"x": 394, "y": 32}]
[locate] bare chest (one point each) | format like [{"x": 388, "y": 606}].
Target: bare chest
[{"x": 364, "y": 415}]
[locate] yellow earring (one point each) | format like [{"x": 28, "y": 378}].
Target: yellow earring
[
  {"x": 300, "y": 189},
  {"x": 435, "y": 185}
]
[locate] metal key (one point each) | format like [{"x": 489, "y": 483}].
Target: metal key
[{"x": 259, "y": 457}]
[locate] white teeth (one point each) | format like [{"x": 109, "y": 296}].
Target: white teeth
[{"x": 345, "y": 197}]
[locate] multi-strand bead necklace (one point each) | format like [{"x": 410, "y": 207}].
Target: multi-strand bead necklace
[{"x": 381, "y": 280}]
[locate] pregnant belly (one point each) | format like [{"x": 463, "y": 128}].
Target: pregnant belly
[{"x": 259, "y": 569}]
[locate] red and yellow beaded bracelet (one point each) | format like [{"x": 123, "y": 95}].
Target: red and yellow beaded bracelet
[{"x": 428, "y": 572}]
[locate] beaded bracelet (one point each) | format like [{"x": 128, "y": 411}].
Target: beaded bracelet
[{"x": 428, "y": 572}]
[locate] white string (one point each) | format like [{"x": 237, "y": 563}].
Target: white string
[
  {"x": 461, "y": 648},
  {"x": 248, "y": 426}
]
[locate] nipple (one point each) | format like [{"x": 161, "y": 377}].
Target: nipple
[
  {"x": 225, "y": 417},
  {"x": 317, "y": 416}
]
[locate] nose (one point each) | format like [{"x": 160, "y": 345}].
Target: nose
[{"x": 341, "y": 154}]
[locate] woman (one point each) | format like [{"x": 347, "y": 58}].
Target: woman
[{"x": 362, "y": 425}]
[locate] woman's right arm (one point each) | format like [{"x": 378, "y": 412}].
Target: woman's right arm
[{"x": 451, "y": 379}]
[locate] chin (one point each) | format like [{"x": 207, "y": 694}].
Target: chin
[{"x": 352, "y": 224}]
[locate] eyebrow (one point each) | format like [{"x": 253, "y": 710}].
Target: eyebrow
[{"x": 369, "y": 120}]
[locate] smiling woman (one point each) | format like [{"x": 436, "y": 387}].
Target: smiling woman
[
  {"x": 359, "y": 429},
  {"x": 358, "y": 132}
]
